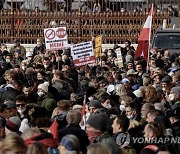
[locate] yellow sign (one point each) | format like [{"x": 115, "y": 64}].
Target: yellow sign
[{"x": 98, "y": 46}]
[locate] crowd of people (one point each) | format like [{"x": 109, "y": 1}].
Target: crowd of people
[{"x": 42, "y": 89}]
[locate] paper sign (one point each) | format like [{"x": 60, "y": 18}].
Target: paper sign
[
  {"x": 83, "y": 53},
  {"x": 98, "y": 46},
  {"x": 55, "y": 38},
  {"x": 119, "y": 58}
]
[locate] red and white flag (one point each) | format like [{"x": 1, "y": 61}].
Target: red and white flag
[
  {"x": 54, "y": 129},
  {"x": 143, "y": 47},
  {"x": 83, "y": 126}
]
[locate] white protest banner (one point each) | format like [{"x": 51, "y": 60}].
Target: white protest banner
[
  {"x": 55, "y": 38},
  {"x": 83, "y": 53},
  {"x": 119, "y": 58}
]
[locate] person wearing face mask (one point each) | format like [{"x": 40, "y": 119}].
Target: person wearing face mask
[
  {"x": 133, "y": 114},
  {"x": 39, "y": 46},
  {"x": 21, "y": 105},
  {"x": 174, "y": 96},
  {"x": 45, "y": 99},
  {"x": 124, "y": 102},
  {"x": 9, "y": 61},
  {"x": 107, "y": 104},
  {"x": 28, "y": 57},
  {"x": 47, "y": 64}
]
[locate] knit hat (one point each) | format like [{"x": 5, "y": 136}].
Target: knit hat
[
  {"x": 176, "y": 90},
  {"x": 94, "y": 103},
  {"x": 13, "y": 124},
  {"x": 98, "y": 121},
  {"x": 77, "y": 106},
  {"x": 49, "y": 104},
  {"x": 44, "y": 86},
  {"x": 18, "y": 51},
  {"x": 67, "y": 144},
  {"x": 129, "y": 58},
  {"x": 125, "y": 80},
  {"x": 131, "y": 72}
]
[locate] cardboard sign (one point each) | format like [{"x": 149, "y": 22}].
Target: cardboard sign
[
  {"x": 119, "y": 58},
  {"x": 55, "y": 38},
  {"x": 98, "y": 46},
  {"x": 83, "y": 53}
]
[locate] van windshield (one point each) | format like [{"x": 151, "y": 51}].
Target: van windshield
[{"x": 167, "y": 41}]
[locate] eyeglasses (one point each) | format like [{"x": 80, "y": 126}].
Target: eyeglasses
[{"x": 18, "y": 105}]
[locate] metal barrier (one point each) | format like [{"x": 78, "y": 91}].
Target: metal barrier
[{"x": 27, "y": 21}]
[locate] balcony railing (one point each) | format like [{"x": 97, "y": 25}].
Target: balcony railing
[{"x": 116, "y": 26}]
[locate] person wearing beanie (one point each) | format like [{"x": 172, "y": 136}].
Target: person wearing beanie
[
  {"x": 69, "y": 144},
  {"x": 12, "y": 125},
  {"x": 97, "y": 130},
  {"x": 93, "y": 106},
  {"x": 45, "y": 99},
  {"x": 174, "y": 96}
]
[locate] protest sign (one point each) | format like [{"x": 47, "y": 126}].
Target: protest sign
[
  {"x": 119, "y": 58},
  {"x": 98, "y": 46},
  {"x": 55, "y": 38},
  {"x": 83, "y": 53}
]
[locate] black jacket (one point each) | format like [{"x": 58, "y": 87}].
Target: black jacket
[
  {"x": 77, "y": 131},
  {"x": 176, "y": 128}
]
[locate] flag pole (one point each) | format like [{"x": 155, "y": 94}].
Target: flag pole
[
  {"x": 149, "y": 47},
  {"x": 84, "y": 113}
]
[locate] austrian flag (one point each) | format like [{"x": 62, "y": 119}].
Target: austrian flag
[{"x": 144, "y": 38}]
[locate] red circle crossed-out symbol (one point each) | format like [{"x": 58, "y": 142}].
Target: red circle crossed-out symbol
[
  {"x": 61, "y": 33},
  {"x": 50, "y": 34}
]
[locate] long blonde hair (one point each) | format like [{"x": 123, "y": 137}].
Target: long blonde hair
[
  {"x": 97, "y": 148},
  {"x": 37, "y": 148},
  {"x": 13, "y": 142}
]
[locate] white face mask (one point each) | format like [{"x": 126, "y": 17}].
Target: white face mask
[
  {"x": 23, "y": 67},
  {"x": 45, "y": 66},
  {"x": 21, "y": 111},
  {"x": 122, "y": 107},
  {"x": 171, "y": 97},
  {"x": 38, "y": 44},
  {"x": 7, "y": 60},
  {"x": 143, "y": 116},
  {"x": 107, "y": 106},
  {"x": 164, "y": 89},
  {"x": 130, "y": 117},
  {"x": 40, "y": 94},
  {"x": 109, "y": 54},
  {"x": 90, "y": 98}
]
